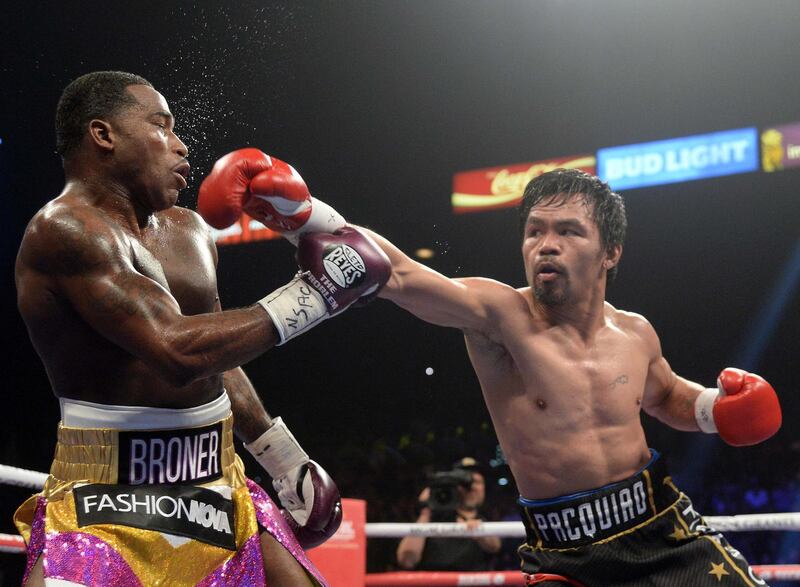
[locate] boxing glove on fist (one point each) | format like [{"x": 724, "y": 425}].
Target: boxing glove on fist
[
  {"x": 313, "y": 507},
  {"x": 335, "y": 270},
  {"x": 744, "y": 408},
  {"x": 320, "y": 514},
  {"x": 268, "y": 190}
]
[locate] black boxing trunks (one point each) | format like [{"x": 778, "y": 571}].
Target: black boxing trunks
[
  {"x": 150, "y": 496},
  {"x": 637, "y": 532}
]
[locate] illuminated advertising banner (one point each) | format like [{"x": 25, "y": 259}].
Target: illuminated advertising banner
[
  {"x": 780, "y": 147},
  {"x": 502, "y": 187},
  {"x": 685, "y": 159},
  {"x": 244, "y": 231}
]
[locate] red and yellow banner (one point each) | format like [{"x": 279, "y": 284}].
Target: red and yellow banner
[
  {"x": 502, "y": 187},
  {"x": 244, "y": 231}
]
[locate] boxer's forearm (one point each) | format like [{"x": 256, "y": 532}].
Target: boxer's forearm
[
  {"x": 207, "y": 344},
  {"x": 676, "y": 408},
  {"x": 250, "y": 418},
  {"x": 431, "y": 296}
]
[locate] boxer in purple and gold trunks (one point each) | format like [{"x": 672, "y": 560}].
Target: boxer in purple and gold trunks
[{"x": 117, "y": 286}]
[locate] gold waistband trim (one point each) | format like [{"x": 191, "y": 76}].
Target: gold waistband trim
[{"x": 91, "y": 455}]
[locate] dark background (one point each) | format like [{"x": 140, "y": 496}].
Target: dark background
[{"x": 377, "y": 104}]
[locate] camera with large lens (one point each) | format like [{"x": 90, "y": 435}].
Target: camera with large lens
[{"x": 444, "y": 498}]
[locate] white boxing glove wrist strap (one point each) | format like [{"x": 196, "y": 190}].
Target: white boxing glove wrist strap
[
  {"x": 323, "y": 218},
  {"x": 704, "y": 410},
  {"x": 277, "y": 450},
  {"x": 294, "y": 308}
]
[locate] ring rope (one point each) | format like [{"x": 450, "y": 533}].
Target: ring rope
[
  {"x": 12, "y": 543},
  {"x": 451, "y": 578},
  {"x": 740, "y": 523},
  {"x": 775, "y": 521},
  {"x": 22, "y": 477}
]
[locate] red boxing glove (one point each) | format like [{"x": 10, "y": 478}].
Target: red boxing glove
[
  {"x": 744, "y": 409},
  {"x": 268, "y": 190},
  {"x": 279, "y": 198},
  {"x": 264, "y": 187}
]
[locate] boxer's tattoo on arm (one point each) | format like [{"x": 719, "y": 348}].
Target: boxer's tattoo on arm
[
  {"x": 63, "y": 249},
  {"x": 74, "y": 249},
  {"x": 66, "y": 262},
  {"x": 621, "y": 380},
  {"x": 131, "y": 294},
  {"x": 112, "y": 300}
]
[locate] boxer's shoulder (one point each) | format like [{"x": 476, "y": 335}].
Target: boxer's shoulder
[
  {"x": 184, "y": 217},
  {"x": 489, "y": 289},
  {"x": 632, "y": 325},
  {"x": 184, "y": 223},
  {"x": 495, "y": 297},
  {"x": 64, "y": 238}
]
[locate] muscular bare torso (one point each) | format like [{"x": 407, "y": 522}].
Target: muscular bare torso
[
  {"x": 566, "y": 409},
  {"x": 173, "y": 249}
]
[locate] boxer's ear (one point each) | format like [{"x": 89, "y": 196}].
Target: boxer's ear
[
  {"x": 101, "y": 134},
  {"x": 613, "y": 255}
]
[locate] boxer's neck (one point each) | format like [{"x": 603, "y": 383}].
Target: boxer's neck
[{"x": 586, "y": 315}]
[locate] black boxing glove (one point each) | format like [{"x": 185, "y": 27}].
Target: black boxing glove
[
  {"x": 313, "y": 506},
  {"x": 335, "y": 270}
]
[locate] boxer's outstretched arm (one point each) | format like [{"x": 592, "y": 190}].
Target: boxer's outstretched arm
[{"x": 465, "y": 303}]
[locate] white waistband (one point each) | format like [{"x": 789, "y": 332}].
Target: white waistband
[{"x": 81, "y": 414}]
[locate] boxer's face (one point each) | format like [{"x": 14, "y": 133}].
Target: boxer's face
[
  {"x": 562, "y": 250},
  {"x": 149, "y": 154}
]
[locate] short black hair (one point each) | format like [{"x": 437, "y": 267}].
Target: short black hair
[
  {"x": 560, "y": 185},
  {"x": 99, "y": 94}
]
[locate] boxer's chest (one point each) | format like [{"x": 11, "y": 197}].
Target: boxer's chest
[
  {"x": 607, "y": 377},
  {"x": 183, "y": 267}
]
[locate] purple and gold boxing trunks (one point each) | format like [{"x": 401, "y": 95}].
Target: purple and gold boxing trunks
[{"x": 151, "y": 506}]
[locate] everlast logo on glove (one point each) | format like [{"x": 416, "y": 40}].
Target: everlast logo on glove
[
  {"x": 344, "y": 265},
  {"x": 194, "y": 512}
]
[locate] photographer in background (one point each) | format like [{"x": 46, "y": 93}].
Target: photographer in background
[{"x": 451, "y": 496}]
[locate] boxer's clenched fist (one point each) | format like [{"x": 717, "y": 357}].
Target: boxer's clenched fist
[
  {"x": 744, "y": 408},
  {"x": 335, "y": 271},
  {"x": 268, "y": 190},
  {"x": 313, "y": 507}
]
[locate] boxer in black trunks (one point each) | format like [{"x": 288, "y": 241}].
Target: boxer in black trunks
[{"x": 565, "y": 376}]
